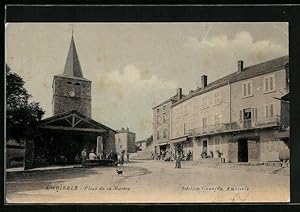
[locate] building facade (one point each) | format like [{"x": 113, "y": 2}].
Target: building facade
[
  {"x": 256, "y": 109},
  {"x": 235, "y": 117},
  {"x": 162, "y": 123},
  {"x": 125, "y": 141},
  {"x": 202, "y": 112},
  {"x": 141, "y": 145}
]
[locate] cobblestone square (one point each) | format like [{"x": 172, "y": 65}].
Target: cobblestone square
[{"x": 150, "y": 181}]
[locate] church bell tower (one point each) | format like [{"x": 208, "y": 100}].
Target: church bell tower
[{"x": 71, "y": 91}]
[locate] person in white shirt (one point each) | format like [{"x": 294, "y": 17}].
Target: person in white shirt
[
  {"x": 83, "y": 156},
  {"x": 92, "y": 155}
]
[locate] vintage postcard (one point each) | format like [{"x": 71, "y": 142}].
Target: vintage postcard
[{"x": 147, "y": 112}]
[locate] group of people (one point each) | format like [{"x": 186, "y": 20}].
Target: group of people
[
  {"x": 113, "y": 155},
  {"x": 178, "y": 155},
  {"x": 169, "y": 155},
  {"x": 118, "y": 158}
]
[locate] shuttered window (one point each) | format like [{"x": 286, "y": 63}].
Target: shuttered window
[
  {"x": 165, "y": 133},
  {"x": 269, "y": 110},
  {"x": 247, "y": 89},
  {"x": 266, "y": 84},
  {"x": 269, "y": 83},
  {"x": 164, "y": 118},
  {"x": 266, "y": 111}
]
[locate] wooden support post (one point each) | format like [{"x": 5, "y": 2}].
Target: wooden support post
[
  {"x": 99, "y": 149},
  {"x": 29, "y": 154}
]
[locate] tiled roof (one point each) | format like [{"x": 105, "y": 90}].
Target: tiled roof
[
  {"x": 262, "y": 68},
  {"x": 248, "y": 72},
  {"x": 172, "y": 98}
]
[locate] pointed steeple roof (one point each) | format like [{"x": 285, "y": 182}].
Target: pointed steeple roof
[{"x": 72, "y": 66}]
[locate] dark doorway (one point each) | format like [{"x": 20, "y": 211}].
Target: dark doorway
[
  {"x": 243, "y": 151},
  {"x": 163, "y": 147},
  {"x": 204, "y": 150},
  {"x": 65, "y": 148}
]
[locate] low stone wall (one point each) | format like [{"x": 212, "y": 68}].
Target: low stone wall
[{"x": 141, "y": 155}]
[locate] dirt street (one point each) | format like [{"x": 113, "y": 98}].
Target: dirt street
[{"x": 150, "y": 181}]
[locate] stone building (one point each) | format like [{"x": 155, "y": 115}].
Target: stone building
[
  {"x": 199, "y": 112},
  {"x": 161, "y": 122},
  {"x": 125, "y": 141},
  {"x": 256, "y": 110},
  {"x": 141, "y": 145},
  {"x": 64, "y": 135},
  {"x": 235, "y": 117}
]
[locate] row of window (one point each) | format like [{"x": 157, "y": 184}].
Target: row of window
[
  {"x": 164, "y": 119},
  {"x": 268, "y": 86},
  {"x": 204, "y": 104},
  {"x": 248, "y": 114},
  {"x": 251, "y": 113},
  {"x": 164, "y": 134}
]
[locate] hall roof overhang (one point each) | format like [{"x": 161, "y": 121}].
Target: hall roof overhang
[{"x": 73, "y": 121}]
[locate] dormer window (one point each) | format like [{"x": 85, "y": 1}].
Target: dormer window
[
  {"x": 69, "y": 82},
  {"x": 77, "y": 83}
]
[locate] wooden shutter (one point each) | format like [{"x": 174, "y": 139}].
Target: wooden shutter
[
  {"x": 271, "y": 83},
  {"x": 266, "y": 111},
  {"x": 241, "y": 115},
  {"x": 271, "y": 110},
  {"x": 249, "y": 88}
]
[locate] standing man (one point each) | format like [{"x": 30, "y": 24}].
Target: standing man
[
  {"x": 83, "y": 156},
  {"x": 122, "y": 157},
  {"x": 178, "y": 154},
  {"x": 127, "y": 155}
]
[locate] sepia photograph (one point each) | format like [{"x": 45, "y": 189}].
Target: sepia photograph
[{"x": 156, "y": 112}]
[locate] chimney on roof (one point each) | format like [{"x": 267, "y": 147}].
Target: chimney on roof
[
  {"x": 240, "y": 65},
  {"x": 179, "y": 93},
  {"x": 203, "y": 81}
]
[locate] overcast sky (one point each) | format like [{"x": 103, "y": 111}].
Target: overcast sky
[{"x": 135, "y": 66}]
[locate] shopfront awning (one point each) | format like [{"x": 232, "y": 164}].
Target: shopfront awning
[
  {"x": 161, "y": 144},
  {"x": 178, "y": 140},
  {"x": 283, "y": 134}
]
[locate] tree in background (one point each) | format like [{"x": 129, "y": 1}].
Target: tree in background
[{"x": 22, "y": 116}]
